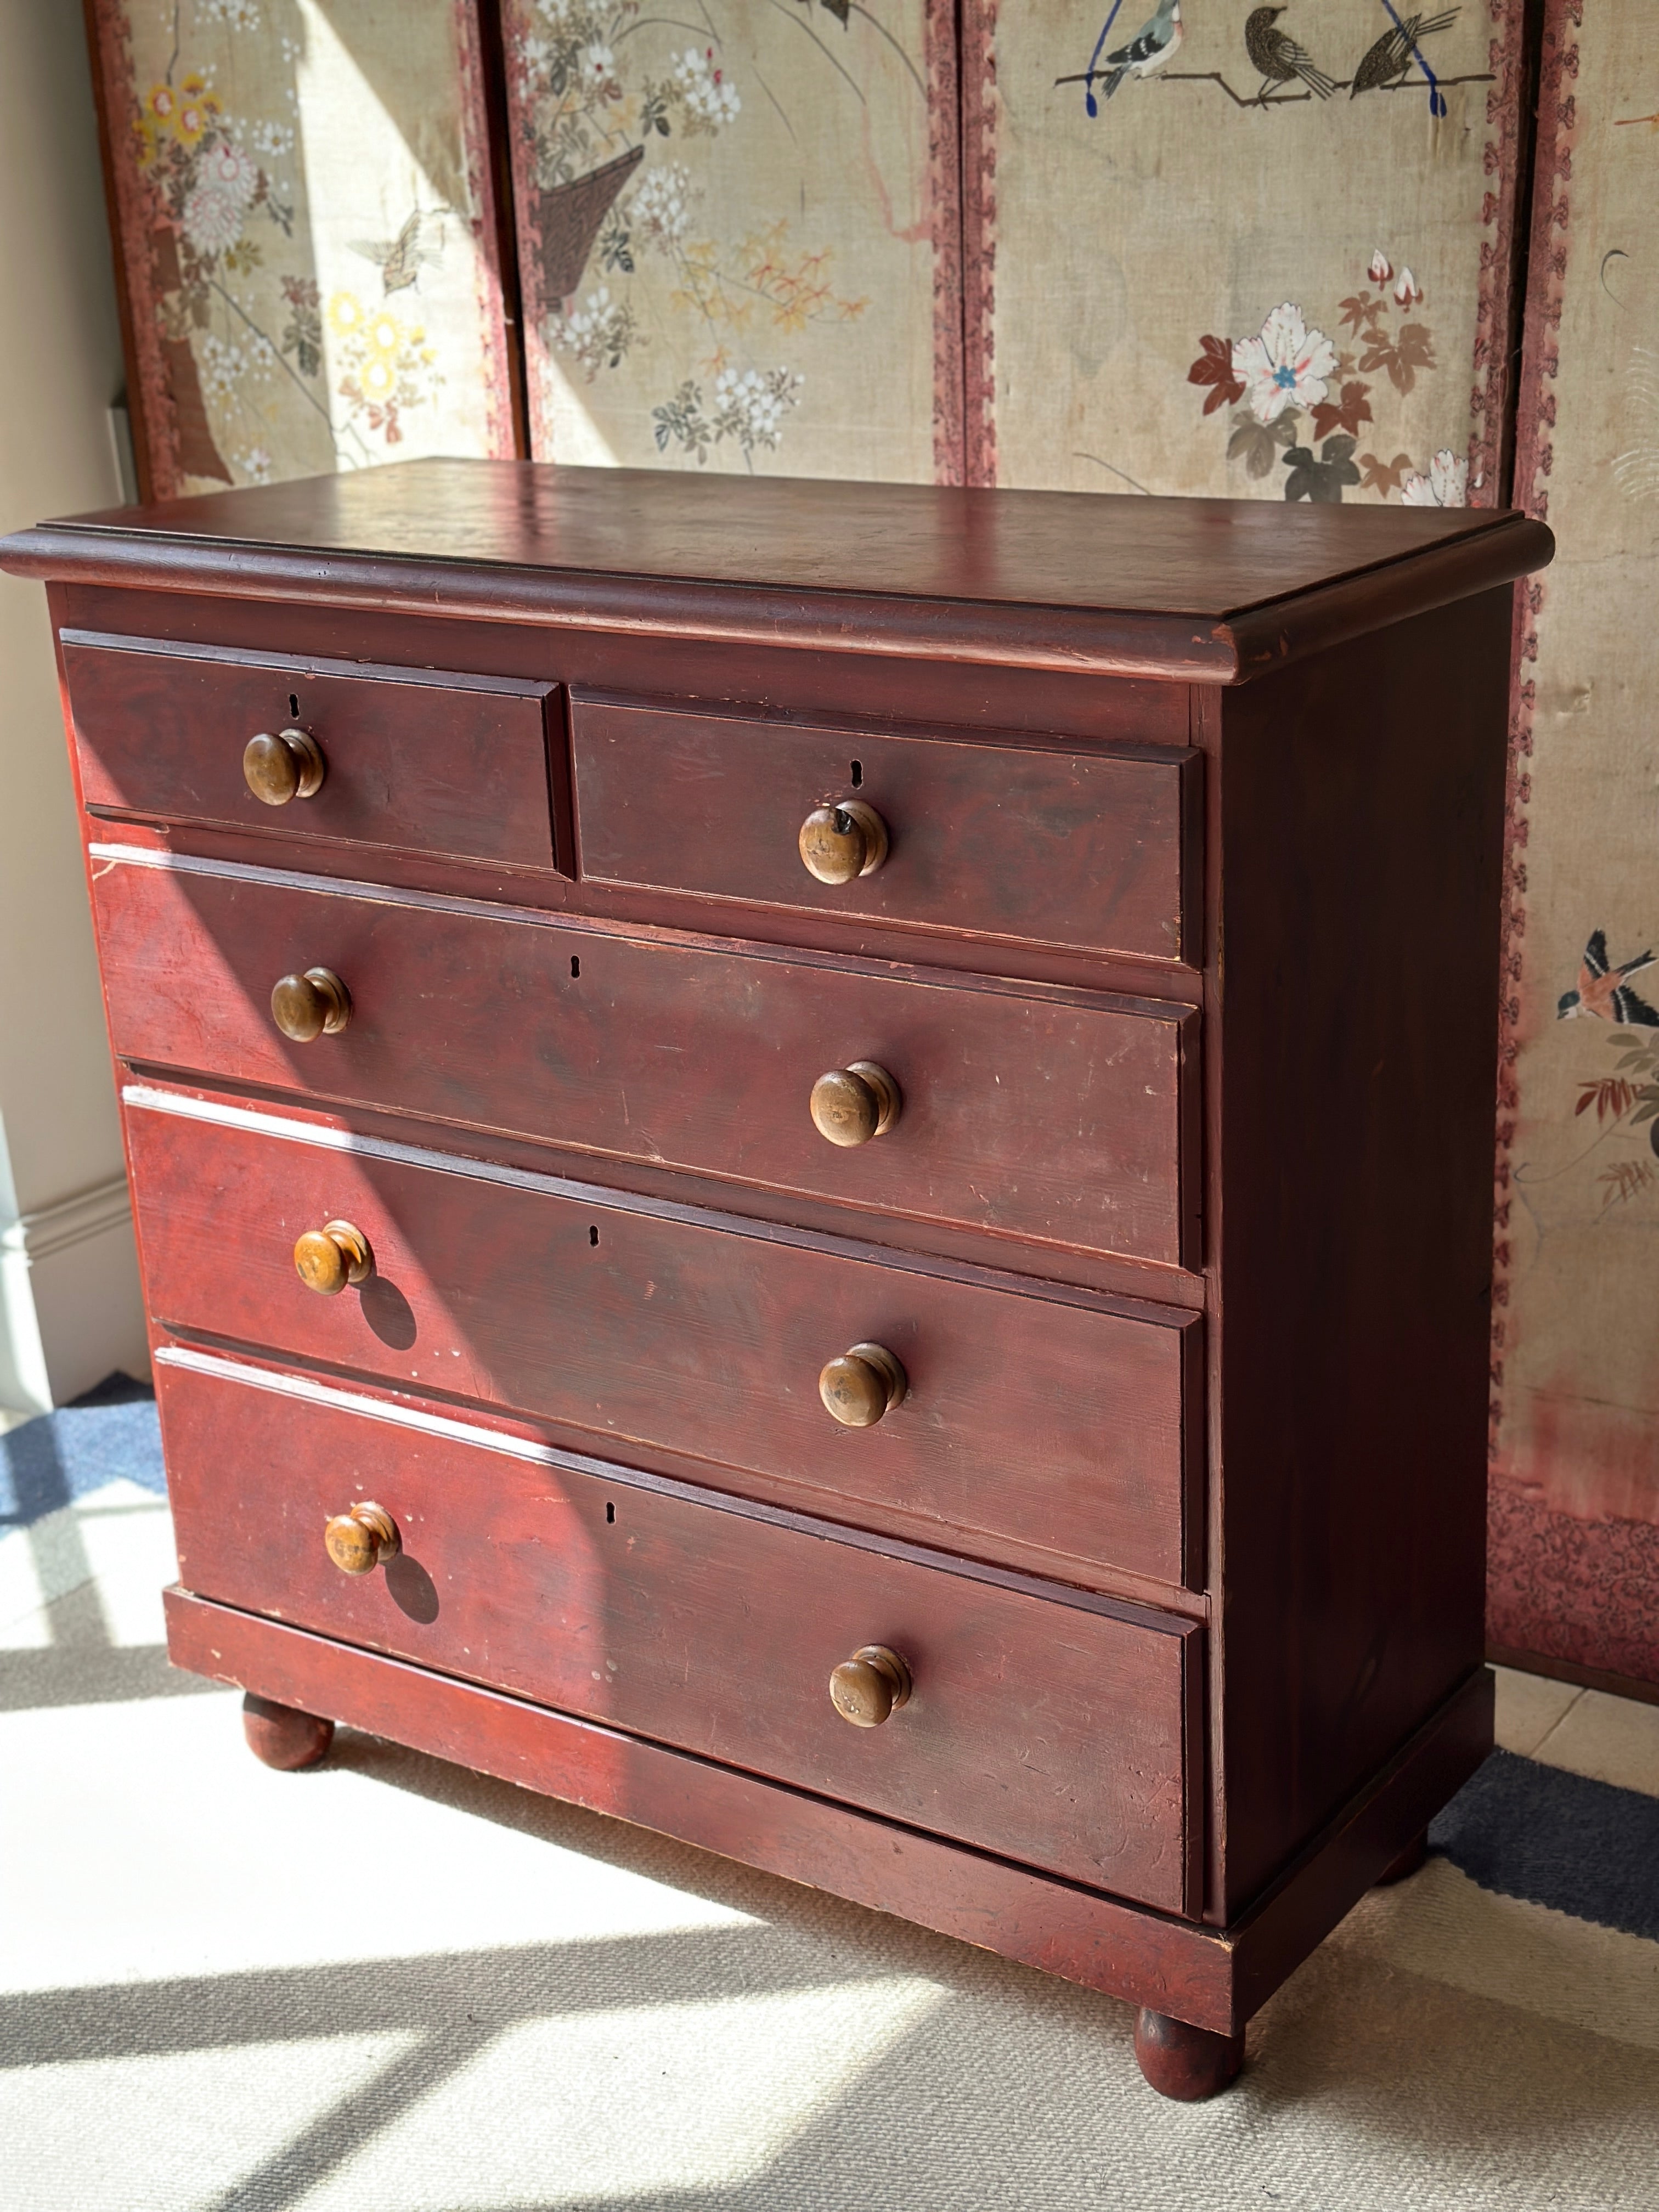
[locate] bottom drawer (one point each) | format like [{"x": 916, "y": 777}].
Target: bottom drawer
[{"x": 1044, "y": 1725}]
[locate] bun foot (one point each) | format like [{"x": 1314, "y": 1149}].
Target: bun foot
[
  {"x": 1187, "y": 2063},
  {"x": 282, "y": 1737},
  {"x": 1407, "y": 1862}
]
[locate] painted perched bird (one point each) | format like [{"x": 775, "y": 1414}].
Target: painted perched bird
[
  {"x": 1386, "y": 61},
  {"x": 1278, "y": 57},
  {"x": 1602, "y": 990},
  {"x": 1159, "y": 37}
]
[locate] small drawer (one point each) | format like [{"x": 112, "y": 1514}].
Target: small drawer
[
  {"x": 1042, "y": 1725},
  {"x": 1091, "y": 848},
  {"x": 1024, "y": 1422},
  {"x": 1062, "y": 1116},
  {"x": 410, "y": 760}
]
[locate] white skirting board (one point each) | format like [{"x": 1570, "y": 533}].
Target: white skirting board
[{"x": 70, "y": 1307}]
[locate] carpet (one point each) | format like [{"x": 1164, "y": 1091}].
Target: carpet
[{"x": 389, "y": 1985}]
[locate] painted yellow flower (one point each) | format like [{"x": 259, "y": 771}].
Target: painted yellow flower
[
  {"x": 192, "y": 122},
  {"x": 384, "y": 333},
  {"x": 380, "y": 378},
  {"x": 162, "y": 105},
  {"x": 345, "y": 313}
]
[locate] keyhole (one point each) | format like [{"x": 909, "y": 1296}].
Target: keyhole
[
  {"x": 610, "y": 1510},
  {"x": 858, "y": 773},
  {"x": 575, "y": 968},
  {"x": 593, "y": 1236},
  {"x": 294, "y": 706}
]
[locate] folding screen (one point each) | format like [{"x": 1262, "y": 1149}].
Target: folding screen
[
  {"x": 738, "y": 233},
  {"x": 1266, "y": 252},
  {"x": 1574, "y": 1567},
  {"x": 300, "y": 198}
]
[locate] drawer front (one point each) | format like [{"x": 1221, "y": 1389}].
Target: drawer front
[
  {"x": 1052, "y": 1424},
  {"x": 1087, "y": 849},
  {"x": 1051, "y": 1115},
  {"x": 1048, "y": 1728},
  {"x": 454, "y": 765}
]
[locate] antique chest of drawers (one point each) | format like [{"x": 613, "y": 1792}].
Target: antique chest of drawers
[{"x": 814, "y": 1165}]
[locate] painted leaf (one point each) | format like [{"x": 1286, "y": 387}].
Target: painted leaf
[
  {"x": 1256, "y": 443},
  {"x": 1345, "y": 413},
  {"x": 1383, "y": 475},
  {"x": 1321, "y": 480},
  {"x": 1360, "y": 308},
  {"x": 1214, "y": 367}
]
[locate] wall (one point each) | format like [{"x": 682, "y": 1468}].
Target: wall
[{"x": 68, "y": 1276}]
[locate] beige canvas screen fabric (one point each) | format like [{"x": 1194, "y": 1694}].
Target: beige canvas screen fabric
[
  {"x": 1574, "y": 1568},
  {"x": 1275, "y": 258},
  {"x": 738, "y": 233},
  {"x": 306, "y": 234}
]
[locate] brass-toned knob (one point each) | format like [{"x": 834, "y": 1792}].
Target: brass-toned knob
[
  {"x": 863, "y": 1385},
  {"x": 869, "y": 1686},
  {"x": 357, "y": 1541},
  {"x": 842, "y": 839},
  {"x": 850, "y": 1105},
  {"x": 316, "y": 1004},
  {"x": 289, "y": 765},
  {"x": 328, "y": 1258}
]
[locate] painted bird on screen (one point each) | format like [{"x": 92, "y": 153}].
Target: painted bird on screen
[
  {"x": 1155, "y": 42},
  {"x": 1387, "y": 60},
  {"x": 1278, "y": 58},
  {"x": 1602, "y": 990}
]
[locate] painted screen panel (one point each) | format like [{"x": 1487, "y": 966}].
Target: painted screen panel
[
  {"x": 738, "y": 229},
  {"x": 306, "y": 235},
  {"x": 1259, "y": 253},
  {"x": 1574, "y": 1565}
]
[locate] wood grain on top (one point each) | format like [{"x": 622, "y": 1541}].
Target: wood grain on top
[{"x": 1166, "y": 586}]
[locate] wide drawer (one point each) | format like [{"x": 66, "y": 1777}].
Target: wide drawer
[
  {"x": 1091, "y": 848},
  {"x": 413, "y": 759},
  {"x": 1030, "y": 1422},
  {"x": 1034, "y": 1114},
  {"x": 1044, "y": 1725}
]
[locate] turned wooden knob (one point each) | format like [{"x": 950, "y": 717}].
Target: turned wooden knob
[
  {"x": 314, "y": 1004},
  {"x": 862, "y": 1385},
  {"x": 842, "y": 839},
  {"x": 850, "y": 1105},
  {"x": 870, "y": 1686},
  {"x": 331, "y": 1257},
  {"x": 289, "y": 765},
  {"x": 357, "y": 1541}
]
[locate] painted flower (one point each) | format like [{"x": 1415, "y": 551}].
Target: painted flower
[
  {"x": 162, "y": 105},
  {"x": 705, "y": 89},
  {"x": 1381, "y": 267},
  {"x": 255, "y": 465},
  {"x": 380, "y": 378},
  {"x": 1285, "y": 367},
  {"x": 660, "y": 208},
  {"x": 599, "y": 66},
  {"x": 192, "y": 122},
  {"x": 345, "y": 313},
  {"x": 1408, "y": 292},
  {"x": 383, "y": 333},
  {"x": 1447, "y": 484},
  {"x": 213, "y": 217},
  {"x": 229, "y": 171}
]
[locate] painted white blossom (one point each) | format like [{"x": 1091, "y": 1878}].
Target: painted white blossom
[
  {"x": 229, "y": 170},
  {"x": 599, "y": 66},
  {"x": 255, "y": 465},
  {"x": 557, "y": 12},
  {"x": 1447, "y": 484},
  {"x": 1381, "y": 267},
  {"x": 213, "y": 217},
  {"x": 240, "y": 15},
  {"x": 751, "y": 404},
  {"x": 1286, "y": 366},
  {"x": 708, "y": 92},
  {"x": 659, "y": 209},
  {"x": 227, "y": 363},
  {"x": 1408, "y": 292},
  {"x": 600, "y": 332}
]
